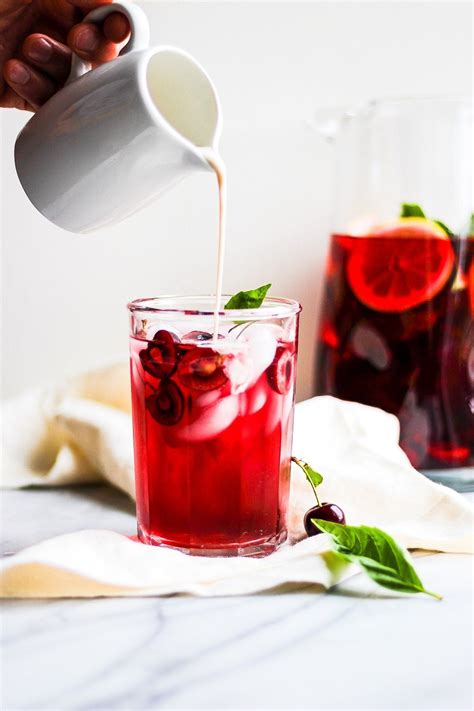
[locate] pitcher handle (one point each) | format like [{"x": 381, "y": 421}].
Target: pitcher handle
[{"x": 139, "y": 33}]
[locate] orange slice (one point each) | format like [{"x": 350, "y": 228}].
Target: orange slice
[{"x": 400, "y": 265}]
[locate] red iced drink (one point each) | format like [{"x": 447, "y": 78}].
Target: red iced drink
[
  {"x": 212, "y": 425},
  {"x": 397, "y": 332}
]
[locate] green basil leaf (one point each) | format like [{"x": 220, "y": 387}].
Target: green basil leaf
[
  {"x": 248, "y": 299},
  {"x": 471, "y": 225},
  {"x": 314, "y": 477},
  {"x": 411, "y": 209},
  {"x": 378, "y": 554},
  {"x": 444, "y": 227}
]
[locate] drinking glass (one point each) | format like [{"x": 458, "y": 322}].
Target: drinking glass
[{"x": 212, "y": 423}]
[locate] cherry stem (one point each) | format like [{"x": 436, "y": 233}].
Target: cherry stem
[{"x": 302, "y": 465}]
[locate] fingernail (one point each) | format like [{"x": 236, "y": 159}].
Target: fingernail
[
  {"x": 86, "y": 40},
  {"x": 40, "y": 50},
  {"x": 18, "y": 73}
]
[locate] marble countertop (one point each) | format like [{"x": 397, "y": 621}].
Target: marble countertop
[{"x": 356, "y": 647}]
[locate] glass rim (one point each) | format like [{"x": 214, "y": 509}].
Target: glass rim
[
  {"x": 381, "y": 102},
  {"x": 168, "y": 306},
  {"x": 444, "y": 98},
  {"x": 460, "y": 102}
]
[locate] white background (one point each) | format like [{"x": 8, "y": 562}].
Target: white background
[{"x": 273, "y": 64}]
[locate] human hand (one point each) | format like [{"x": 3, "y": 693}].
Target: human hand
[{"x": 36, "y": 39}]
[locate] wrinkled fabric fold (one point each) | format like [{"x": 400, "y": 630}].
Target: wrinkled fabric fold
[{"x": 81, "y": 432}]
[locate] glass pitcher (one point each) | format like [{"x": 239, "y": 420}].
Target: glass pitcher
[{"x": 396, "y": 328}]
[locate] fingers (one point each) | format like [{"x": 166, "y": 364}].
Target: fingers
[
  {"x": 10, "y": 100},
  {"x": 95, "y": 45},
  {"x": 116, "y": 27},
  {"x": 89, "y": 43},
  {"x": 51, "y": 57},
  {"x": 44, "y": 62},
  {"x": 34, "y": 81},
  {"x": 30, "y": 84},
  {"x": 62, "y": 13},
  {"x": 13, "y": 5}
]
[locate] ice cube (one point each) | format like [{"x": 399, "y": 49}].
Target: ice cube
[
  {"x": 250, "y": 354},
  {"x": 238, "y": 369},
  {"x": 257, "y": 396},
  {"x": 368, "y": 344},
  {"x": 211, "y": 422},
  {"x": 262, "y": 342},
  {"x": 274, "y": 413},
  {"x": 207, "y": 399}
]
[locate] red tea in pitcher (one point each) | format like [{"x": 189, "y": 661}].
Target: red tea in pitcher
[{"x": 397, "y": 332}]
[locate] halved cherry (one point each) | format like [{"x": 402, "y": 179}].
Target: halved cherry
[
  {"x": 202, "y": 369},
  {"x": 280, "y": 372},
  {"x": 401, "y": 266},
  {"x": 166, "y": 405},
  {"x": 184, "y": 348},
  {"x": 160, "y": 357}
]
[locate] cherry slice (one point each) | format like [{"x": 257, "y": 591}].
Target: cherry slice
[
  {"x": 159, "y": 359},
  {"x": 280, "y": 372},
  {"x": 166, "y": 405},
  {"x": 202, "y": 369},
  {"x": 397, "y": 269}
]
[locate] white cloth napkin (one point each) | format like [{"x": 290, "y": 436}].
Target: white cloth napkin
[{"x": 81, "y": 432}]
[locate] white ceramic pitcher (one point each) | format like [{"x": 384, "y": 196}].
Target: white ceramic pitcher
[{"x": 116, "y": 136}]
